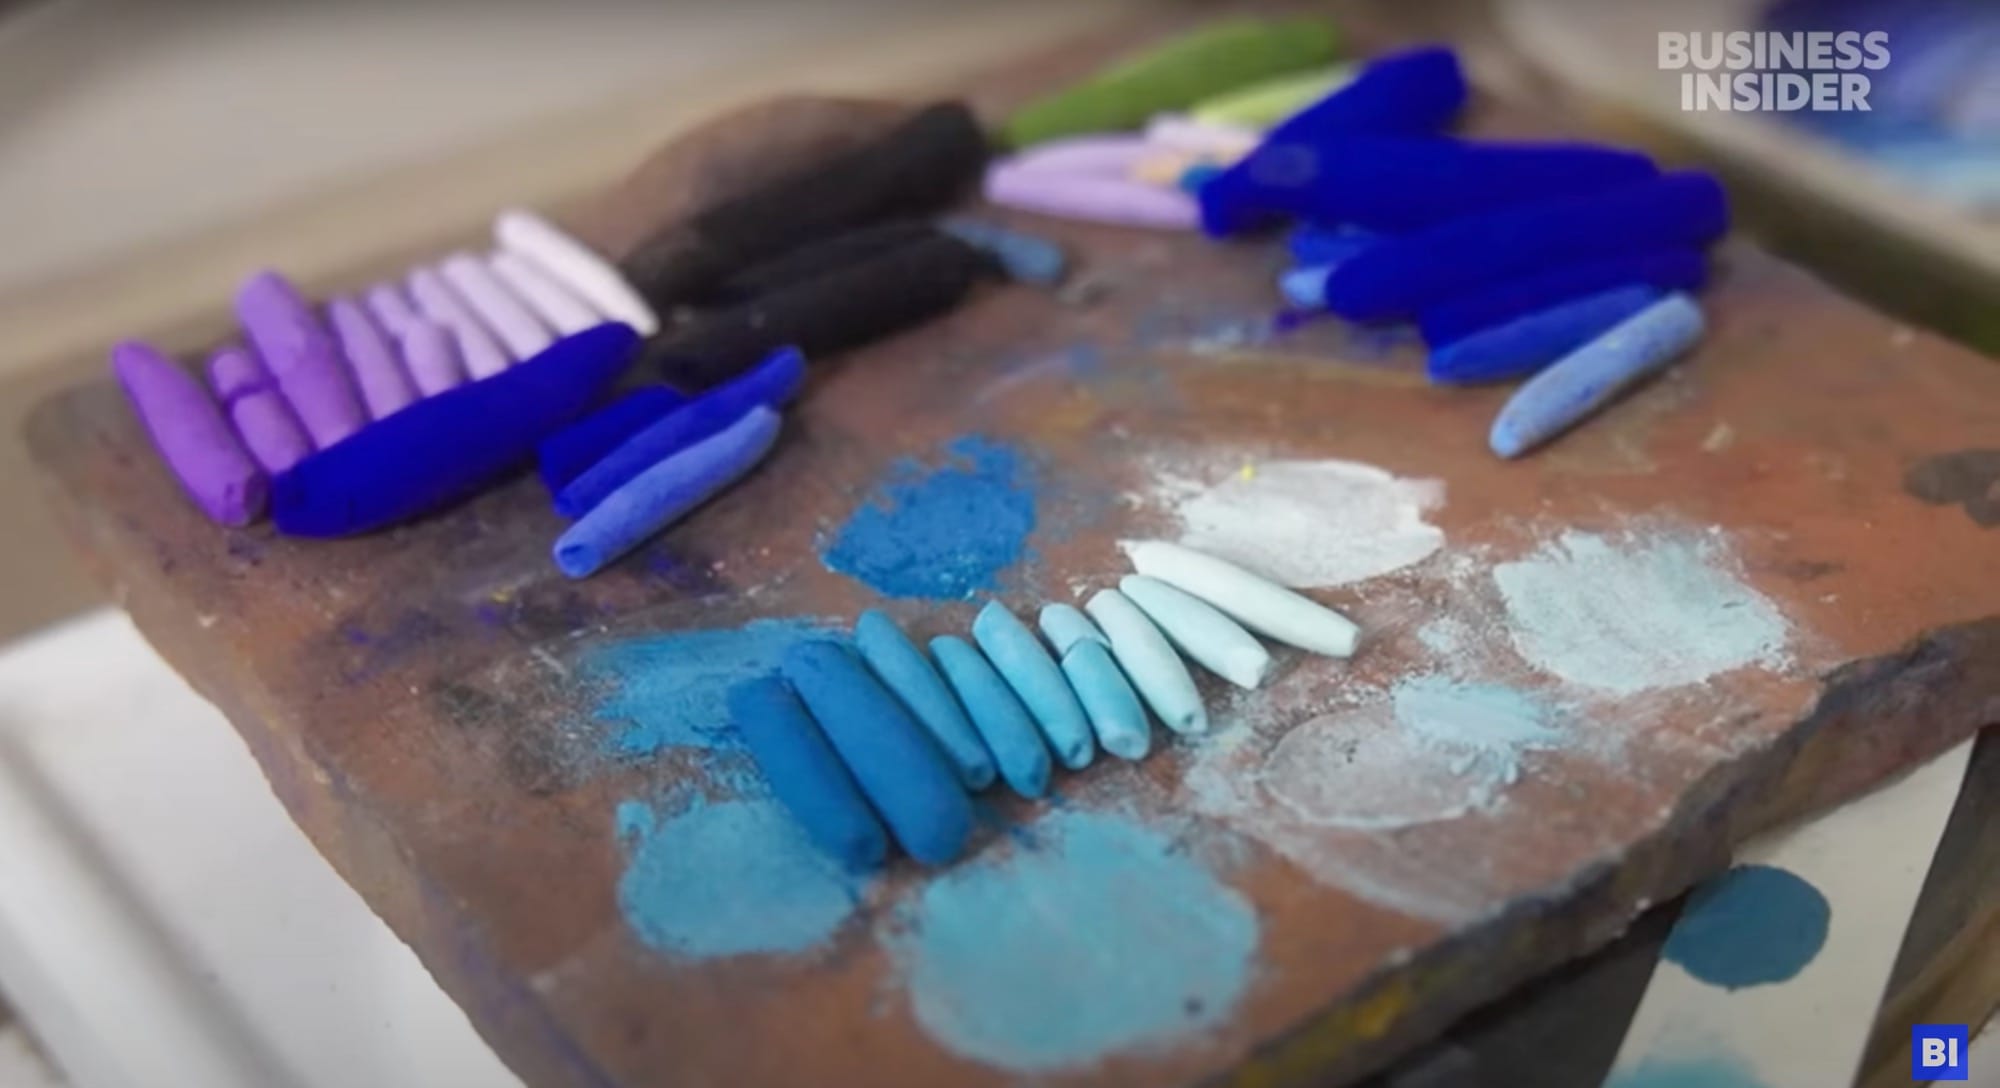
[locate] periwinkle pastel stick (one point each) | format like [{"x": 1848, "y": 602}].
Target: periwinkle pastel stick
[
  {"x": 558, "y": 308},
  {"x": 301, "y": 356},
  {"x": 378, "y": 372},
  {"x": 806, "y": 774},
  {"x": 192, "y": 435},
  {"x": 820, "y": 258},
  {"x": 1003, "y": 723},
  {"x": 1038, "y": 680},
  {"x": 1594, "y": 375},
  {"x": 1200, "y": 630},
  {"x": 437, "y": 301},
  {"x": 1402, "y": 275},
  {"x": 573, "y": 264},
  {"x": 519, "y": 330},
  {"x": 897, "y": 765},
  {"x": 257, "y": 410},
  {"x": 660, "y": 496},
  {"x": 1527, "y": 344},
  {"x": 1253, "y": 601},
  {"x": 1151, "y": 663},
  {"x": 446, "y": 448},
  {"x": 773, "y": 382},
  {"x": 905, "y": 670},
  {"x": 1463, "y": 315},
  {"x": 1312, "y": 244},
  {"x": 570, "y": 452}
]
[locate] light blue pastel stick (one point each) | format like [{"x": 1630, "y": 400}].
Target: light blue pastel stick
[
  {"x": 1039, "y": 681},
  {"x": 1305, "y": 287},
  {"x": 1593, "y": 375},
  {"x": 1026, "y": 257},
  {"x": 1108, "y": 699},
  {"x": 905, "y": 670},
  {"x": 1200, "y": 630},
  {"x": 1065, "y": 625},
  {"x": 1150, "y": 661},
  {"x": 997, "y": 712}
]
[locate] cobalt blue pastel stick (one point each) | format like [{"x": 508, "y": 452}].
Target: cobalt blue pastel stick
[
  {"x": 1027, "y": 667},
  {"x": 806, "y": 774},
  {"x": 1526, "y": 344},
  {"x": 1312, "y": 244},
  {"x": 1461, "y": 316},
  {"x": 448, "y": 447},
  {"x": 568, "y": 453},
  {"x": 1402, "y": 275},
  {"x": 648, "y": 503},
  {"x": 890, "y": 755},
  {"x": 997, "y": 713},
  {"x": 906, "y": 671},
  {"x": 1595, "y": 374},
  {"x": 772, "y": 382}
]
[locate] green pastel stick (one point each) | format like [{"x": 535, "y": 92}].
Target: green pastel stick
[
  {"x": 1202, "y": 64},
  {"x": 1269, "y": 101}
]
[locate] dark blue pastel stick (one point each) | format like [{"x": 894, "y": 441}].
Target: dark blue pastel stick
[
  {"x": 906, "y": 671},
  {"x": 568, "y": 453},
  {"x": 1009, "y": 732},
  {"x": 448, "y": 447},
  {"x": 771, "y": 382},
  {"x": 1528, "y": 343},
  {"x": 1312, "y": 244},
  {"x": 1462, "y": 316},
  {"x": 806, "y": 773},
  {"x": 1402, "y": 275},
  {"x": 890, "y": 755}
]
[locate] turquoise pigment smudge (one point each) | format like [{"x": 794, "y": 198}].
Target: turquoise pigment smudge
[
  {"x": 668, "y": 691},
  {"x": 728, "y": 878},
  {"x": 1703, "y": 1072},
  {"x": 1752, "y": 926},
  {"x": 943, "y": 533},
  {"x": 1485, "y": 728},
  {"x": 1146, "y": 943},
  {"x": 1629, "y": 615}
]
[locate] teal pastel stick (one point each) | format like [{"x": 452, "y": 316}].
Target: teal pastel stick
[
  {"x": 1108, "y": 699},
  {"x": 1010, "y": 734},
  {"x": 1065, "y": 625},
  {"x": 1595, "y": 374},
  {"x": 905, "y": 670},
  {"x": 806, "y": 774},
  {"x": 1027, "y": 667}
]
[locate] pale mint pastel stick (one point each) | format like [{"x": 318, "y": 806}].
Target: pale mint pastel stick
[
  {"x": 1200, "y": 630},
  {"x": 1065, "y": 626},
  {"x": 1257, "y": 603},
  {"x": 435, "y": 299},
  {"x": 520, "y": 332},
  {"x": 563, "y": 311},
  {"x": 1150, "y": 661},
  {"x": 1590, "y": 377},
  {"x": 905, "y": 670},
  {"x": 1039, "y": 681}
]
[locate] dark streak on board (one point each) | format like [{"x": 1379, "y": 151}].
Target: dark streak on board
[{"x": 1970, "y": 478}]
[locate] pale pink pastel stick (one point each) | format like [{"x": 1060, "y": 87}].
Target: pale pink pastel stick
[
  {"x": 391, "y": 308},
  {"x": 385, "y": 388},
  {"x": 520, "y": 330},
  {"x": 482, "y": 355},
  {"x": 563, "y": 311},
  {"x": 1103, "y": 200},
  {"x": 262, "y": 416},
  {"x": 431, "y": 353},
  {"x": 1093, "y": 156}
]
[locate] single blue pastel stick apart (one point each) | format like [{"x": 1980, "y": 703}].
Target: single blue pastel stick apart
[
  {"x": 570, "y": 452},
  {"x": 1312, "y": 244},
  {"x": 1403, "y": 275},
  {"x": 905, "y": 670},
  {"x": 1065, "y": 625},
  {"x": 1108, "y": 699},
  {"x": 997, "y": 712},
  {"x": 447, "y": 447},
  {"x": 1667, "y": 269},
  {"x": 806, "y": 774},
  {"x": 772, "y": 382},
  {"x": 1027, "y": 667},
  {"x": 1592, "y": 376},
  {"x": 1526, "y": 344},
  {"x": 890, "y": 755},
  {"x": 1027, "y": 258},
  {"x": 656, "y": 498}
]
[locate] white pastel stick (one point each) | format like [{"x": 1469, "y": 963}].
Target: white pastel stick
[
  {"x": 439, "y": 303},
  {"x": 551, "y": 301},
  {"x": 1257, "y": 603},
  {"x": 575, "y": 266},
  {"x": 1200, "y": 630},
  {"x": 520, "y": 330},
  {"x": 1150, "y": 662}
]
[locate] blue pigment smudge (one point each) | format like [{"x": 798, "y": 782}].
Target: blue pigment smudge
[
  {"x": 1701, "y": 1072},
  {"x": 729, "y": 878},
  {"x": 945, "y": 533},
  {"x": 1148, "y": 946},
  {"x": 1484, "y": 728},
  {"x": 1752, "y": 926},
  {"x": 669, "y": 691}
]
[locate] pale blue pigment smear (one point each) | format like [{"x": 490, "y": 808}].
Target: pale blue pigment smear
[
  {"x": 1752, "y": 926},
  {"x": 943, "y": 533},
  {"x": 728, "y": 878},
  {"x": 1093, "y": 936},
  {"x": 669, "y": 691},
  {"x": 1702, "y": 1072},
  {"x": 1484, "y": 729},
  {"x": 1632, "y": 614}
]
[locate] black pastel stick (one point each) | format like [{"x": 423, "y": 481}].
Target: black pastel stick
[{"x": 821, "y": 258}]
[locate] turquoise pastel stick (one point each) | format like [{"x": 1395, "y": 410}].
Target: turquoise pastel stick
[
  {"x": 1039, "y": 681},
  {"x": 1065, "y": 625},
  {"x": 1010, "y": 733},
  {"x": 1595, "y": 374},
  {"x": 905, "y": 670},
  {"x": 1108, "y": 699}
]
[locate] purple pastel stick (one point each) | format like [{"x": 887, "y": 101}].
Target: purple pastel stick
[
  {"x": 234, "y": 373},
  {"x": 482, "y": 355},
  {"x": 193, "y": 437},
  {"x": 431, "y": 354},
  {"x": 385, "y": 387},
  {"x": 1099, "y": 199},
  {"x": 301, "y": 356},
  {"x": 1093, "y": 156},
  {"x": 269, "y": 430},
  {"x": 495, "y": 303},
  {"x": 391, "y": 308}
]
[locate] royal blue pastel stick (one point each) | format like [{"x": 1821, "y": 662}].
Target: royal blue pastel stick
[
  {"x": 1518, "y": 348},
  {"x": 568, "y": 453},
  {"x": 806, "y": 774},
  {"x": 1595, "y": 374},
  {"x": 1464, "y": 315}
]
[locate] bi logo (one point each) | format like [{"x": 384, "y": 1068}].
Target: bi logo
[{"x": 1938, "y": 1052}]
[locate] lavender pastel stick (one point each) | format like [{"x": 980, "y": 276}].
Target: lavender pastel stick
[
  {"x": 1518, "y": 348},
  {"x": 193, "y": 437},
  {"x": 435, "y": 299},
  {"x": 570, "y": 452},
  {"x": 301, "y": 355},
  {"x": 234, "y": 373},
  {"x": 430, "y": 351},
  {"x": 1094, "y": 199},
  {"x": 391, "y": 309},
  {"x": 519, "y": 330},
  {"x": 1456, "y": 318},
  {"x": 378, "y": 373},
  {"x": 553, "y": 302},
  {"x": 257, "y": 410}
]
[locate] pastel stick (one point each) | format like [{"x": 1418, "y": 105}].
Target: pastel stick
[
  {"x": 773, "y": 382},
  {"x": 519, "y": 330},
  {"x": 1027, "y": 667},
  {"x": 1115, "y": 201},
  {"x": 1027, "y": 258},
  {"x": 1596, "y": 374},
  {"x": 570, "y": 452},
  {"x": 446, "y": 448},
  {"x": 905, "y": 670},
  {"x": 1150, "y": 662},
  {"x": 1454, "y": 318},
  {"x": 437, "y": 301},
  {"x": 1065, "y": 626},
  {"x": 662, "y": 495},
  {"x": 554, "y": 303},
  {"x": 819, "y": 258},
  {"x": 900, "y": 770},
  {"x": 257, "y": 411},
  {"x": 1200, "y": 630},
  {"x": 1526, "y": 344},
  {"x": 234, "y": 373},
  {"x": 806, "y": 774},
  {"x": 1312, "y": 244},
  {"x": 391, "y": 309},
  {"x": 1003, "y": 723},
  {"x": 430, "y": 353},
  {"x": 301, "y": 356},
  {"x": 192, "y": 435},
  {"x": 1270, "y": 101},
  {"x": 573, "y": 264},
  {"x": 1115, "y": 712},
  {"x": 378, "y": 373},
  {"x": 1257, "y": 603}
]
